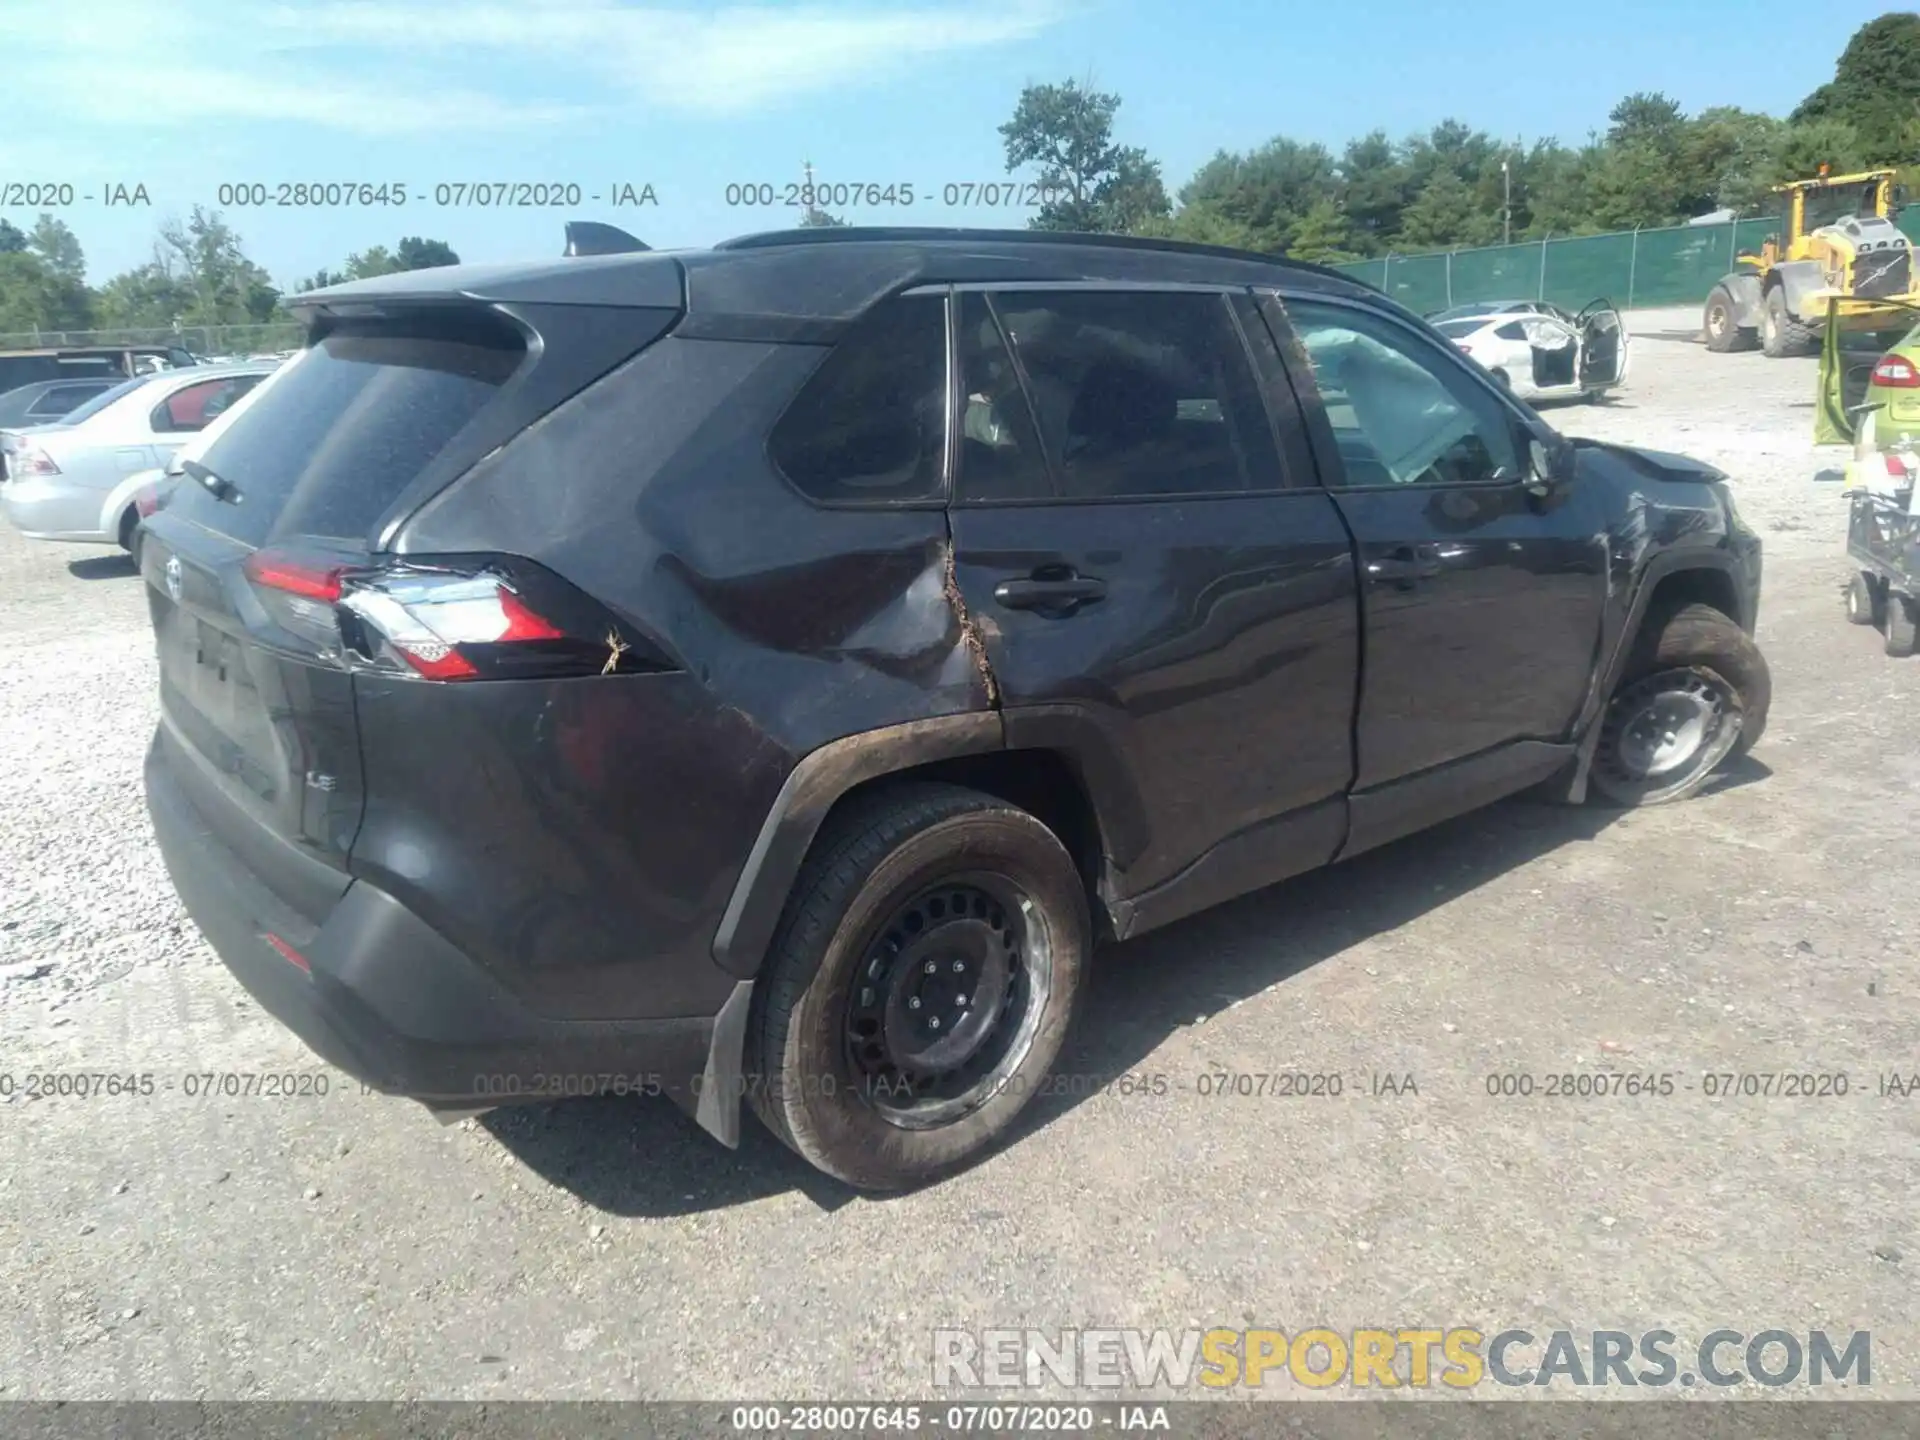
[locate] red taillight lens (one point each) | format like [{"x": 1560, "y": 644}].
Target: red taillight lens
[
  {"x": 486, "y": 620},
  {"x": 277, "y": 570},
  {"x": 1896, "y": 466},
  {"x": 1896, "y": 372},
  {"x": 147, "y": 501},
  {"x": 482, "y": 617}
]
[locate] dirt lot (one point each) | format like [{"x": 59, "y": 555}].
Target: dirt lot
[{"x": 348, "y": 1246}]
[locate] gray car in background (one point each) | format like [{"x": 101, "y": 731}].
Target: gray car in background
[
  {"x": 80, "y": 479},
  {"x": 47, "y": 402}
]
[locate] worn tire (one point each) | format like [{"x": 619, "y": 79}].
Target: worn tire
[
  {"x": 1720, "y": 323},
  {"x": 869, "y": 860},
  {"x": 1901, "y": 627},
  {"x": 1863, "y": 600},
  {"x": 129, "y": 522},
  {"x": 1780, "y": 334},
  {"x": 1691, "y": 638}
]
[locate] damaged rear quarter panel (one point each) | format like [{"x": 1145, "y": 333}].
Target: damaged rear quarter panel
[{"x": 653, "y": 491}]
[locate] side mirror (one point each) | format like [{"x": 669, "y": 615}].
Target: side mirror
[{"x": 1546, "y": 468}]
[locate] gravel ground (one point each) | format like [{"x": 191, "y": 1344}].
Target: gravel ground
[{"x": 349, "y": 1246}]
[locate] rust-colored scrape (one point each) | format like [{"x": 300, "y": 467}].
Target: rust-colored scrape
[{"x": 969, "y": 634}]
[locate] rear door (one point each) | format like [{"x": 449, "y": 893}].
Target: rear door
[
  {"x": 1147, "y": 580},
  {"x": 1603, "y": 346}
]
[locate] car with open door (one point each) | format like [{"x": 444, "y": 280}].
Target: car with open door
[{"x": 1541, "y": 353}]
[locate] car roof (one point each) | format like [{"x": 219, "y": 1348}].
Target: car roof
[{"x": 807, "y": 284}]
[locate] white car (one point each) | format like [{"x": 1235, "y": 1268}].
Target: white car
[
  {"x": 1541, "y": 355},
  {"x": 79, "y": 480}
]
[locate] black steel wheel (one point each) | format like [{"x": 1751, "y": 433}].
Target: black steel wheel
[
  {"x": 920, "y": 984},
  {"x": 948, "y": 1000},
  {"x": 1696, "y": 692}
]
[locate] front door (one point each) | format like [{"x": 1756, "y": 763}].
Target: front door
[
  {"x": 1482, "y": 600},
  {"x": 1603, "y": 346},
  {"x": 1149, "y": 590}
]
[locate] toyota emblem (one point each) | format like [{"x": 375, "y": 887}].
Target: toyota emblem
[{"x": 173, "y": 578}]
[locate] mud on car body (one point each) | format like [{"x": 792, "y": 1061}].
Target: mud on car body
[{"x": 773, "y": 668}]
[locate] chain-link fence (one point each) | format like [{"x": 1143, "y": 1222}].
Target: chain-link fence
[
  {"x": 201, "y": 340},
  {"x": 1675, "y": 266}
]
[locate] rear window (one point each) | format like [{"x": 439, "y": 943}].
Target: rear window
[
  {"x": 345, "y": 427},
  {"x": 101, "y": 401}
]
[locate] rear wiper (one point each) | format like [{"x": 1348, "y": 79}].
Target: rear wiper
[{"x": 219, "y": 486}]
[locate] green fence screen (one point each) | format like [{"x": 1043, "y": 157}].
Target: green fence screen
[{"x": 1675, "y": 266}]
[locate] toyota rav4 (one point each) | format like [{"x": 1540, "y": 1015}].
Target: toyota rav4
[{"x": 763, "y": 674}]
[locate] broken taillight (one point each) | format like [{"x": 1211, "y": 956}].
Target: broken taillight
[
  {"x": 463, "y": 618},
  {"x": 1896, "y": 372}
]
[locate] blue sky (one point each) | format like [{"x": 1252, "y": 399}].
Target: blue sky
[{"x": 183, "y": 95}]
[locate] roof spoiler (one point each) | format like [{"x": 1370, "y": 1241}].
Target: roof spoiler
[{"x": 590, "y": 237}]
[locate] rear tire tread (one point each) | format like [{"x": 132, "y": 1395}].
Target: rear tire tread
[{"x": 846, "y": 853}]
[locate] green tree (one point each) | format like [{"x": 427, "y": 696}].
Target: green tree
[
  {"x": 1376, "y": 188},
  {"x": 1646, "y": 117},
  {"x": 59, "y": 247},
  {"x": 1875, "y": 89},
  {"x": 12, "y": 240},
  {"x": 1323, "y": 235},
  {"x": 1806, "y": 145},
  {"x": 416, "y": 253},
  {"x": 1445, "y": 214},
  {"x": 1261, "y": 196},
  {"x": 1067, "y": 132},
  {"x": 35, "y": 296}
]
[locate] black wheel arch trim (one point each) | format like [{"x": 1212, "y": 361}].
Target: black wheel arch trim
[{"x": 811, "y": 790}]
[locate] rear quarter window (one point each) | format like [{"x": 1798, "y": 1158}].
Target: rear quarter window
[{"x": 869, "y": 426}]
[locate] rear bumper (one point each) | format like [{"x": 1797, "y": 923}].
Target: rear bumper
[
  {"x": 49, "y": 508},
  {"x": 387, "y": 999}
]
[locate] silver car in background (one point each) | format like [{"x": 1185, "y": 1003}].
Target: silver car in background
[{"x": 80, "y": 479}]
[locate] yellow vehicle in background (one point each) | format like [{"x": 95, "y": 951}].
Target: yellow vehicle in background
[{"x": 1837, "y": 241}]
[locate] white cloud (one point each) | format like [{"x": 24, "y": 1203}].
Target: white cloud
[{"x": 372, "y": 68}]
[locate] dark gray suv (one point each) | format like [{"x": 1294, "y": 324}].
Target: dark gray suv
[{"x": 764, "y": 673}]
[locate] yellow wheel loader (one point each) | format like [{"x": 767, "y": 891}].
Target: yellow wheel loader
[{"x": 1837, "y": 240}]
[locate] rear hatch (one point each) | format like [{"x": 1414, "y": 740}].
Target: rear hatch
[{"x": 256, "y": 563}]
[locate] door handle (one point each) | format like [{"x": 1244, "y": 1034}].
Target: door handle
[
  {"x": 1405, "y": 567},
  {"x": 1062, "y": 594}
]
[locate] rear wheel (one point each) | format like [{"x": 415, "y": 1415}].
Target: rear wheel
[
  {"x": 1863, "y": 600},
  {"x": 1780, "y": 334},
  {"x": 129, "y": 529},
  {"x": 1901, "y": 627},
  {"x": 1695, "y": 693},
  {"x": 919, "y": 987},
  {"x": 1504, "y": 380},
  {"x": 1721, "y": 323}
]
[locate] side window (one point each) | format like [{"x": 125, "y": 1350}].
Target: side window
[
  {"x": 195, "y": 407},
  {"x": 1138, "y": 393},
  {"x": 870, "y": 423},
  {"x": 1401, "y": 412},
  {"x": 1512, "y": 330},
  {"x": 1000, "y": 454}
]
